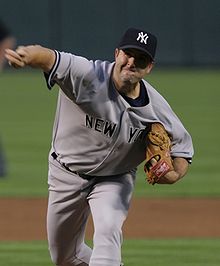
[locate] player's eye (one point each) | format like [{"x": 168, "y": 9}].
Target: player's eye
[
  {"x": 142, "y": 62},
  {"x": 128, "y": 54}
]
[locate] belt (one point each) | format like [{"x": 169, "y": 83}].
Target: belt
[{"x": 84, "y": 176}]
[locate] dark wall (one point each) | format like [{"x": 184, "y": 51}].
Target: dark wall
[{"x": 187, "y": 30}]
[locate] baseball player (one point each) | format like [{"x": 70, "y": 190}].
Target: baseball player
[{"x": 104, "y": 111}]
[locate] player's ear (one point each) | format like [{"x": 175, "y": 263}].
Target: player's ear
[
  {"x": 116, "y": 52},
  {"x": 149, "y": 67}
]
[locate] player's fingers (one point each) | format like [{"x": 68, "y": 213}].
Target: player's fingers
[
  {"x": 12, "y": 54},
  {"x": 22, "y": 51},
  {"x": 13, "y": 58},
  {"x": 16, "y": 63}
]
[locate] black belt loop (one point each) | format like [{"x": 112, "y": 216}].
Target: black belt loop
[
  {"x": 88, "y": 177},
  {"x": 54, "y": 155}
]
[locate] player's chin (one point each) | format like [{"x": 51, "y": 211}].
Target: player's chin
[{"x": 129, "y": 77}]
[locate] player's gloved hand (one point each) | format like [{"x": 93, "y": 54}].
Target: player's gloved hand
[{"x": 159, "y": 165}]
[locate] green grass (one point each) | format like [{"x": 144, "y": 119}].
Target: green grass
[
  {"x": 26, "y": 114},
  {"x": 178, "y": 252},
  {"x": 172, "y": 252},
  {"x": 24, "y": 254},
  {"x": 26, "y": 117}
]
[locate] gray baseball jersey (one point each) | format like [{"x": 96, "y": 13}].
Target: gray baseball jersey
[{"x": 96, "y": 131}]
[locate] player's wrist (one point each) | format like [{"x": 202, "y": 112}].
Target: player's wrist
[{"x": 169, "y": 178}]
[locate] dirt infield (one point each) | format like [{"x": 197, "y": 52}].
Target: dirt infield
[{"x": 24, "y": 219}]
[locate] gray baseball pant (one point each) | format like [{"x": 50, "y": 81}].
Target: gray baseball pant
[{"x": 71, "y": 200}]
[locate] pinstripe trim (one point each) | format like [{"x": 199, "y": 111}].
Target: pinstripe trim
[{"x": 50, "y": 82}]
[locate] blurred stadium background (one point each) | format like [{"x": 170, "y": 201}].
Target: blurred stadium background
[
  {"x": 187, "y": 73},
  {"x": 187, "y": 30}
]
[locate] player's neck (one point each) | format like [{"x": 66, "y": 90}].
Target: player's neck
[
  {"x": 132, "y": 92},
  {"x": 129, "y": 89}
]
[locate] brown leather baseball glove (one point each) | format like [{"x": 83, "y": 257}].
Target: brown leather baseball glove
[{"x": 158, "y": 159}]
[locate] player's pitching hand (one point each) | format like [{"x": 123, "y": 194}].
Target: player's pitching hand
[
  {"x": 14, "y": 58},
  {"x": 32, "y": 55},
  {"x": 23, "y": 55}
]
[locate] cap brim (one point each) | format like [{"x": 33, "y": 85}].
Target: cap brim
[{"x": 136, "y": 47}]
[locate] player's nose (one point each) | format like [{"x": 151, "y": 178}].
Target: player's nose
[{"x": 131, "y": 61}]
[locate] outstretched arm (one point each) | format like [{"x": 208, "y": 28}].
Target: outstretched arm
[{"x": 33, "y": 55}]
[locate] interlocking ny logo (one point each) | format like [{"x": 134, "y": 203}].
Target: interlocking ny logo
[{"x": 142, "y": 37}]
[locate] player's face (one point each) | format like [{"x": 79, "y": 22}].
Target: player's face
[{"x": 131, "y": 65}]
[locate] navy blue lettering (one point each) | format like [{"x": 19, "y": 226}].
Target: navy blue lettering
[
  {"x": 89, "y": 121},
  {"x": 109, "y": 129},
  {"x": 99, "y": 125},
  {"x": 140, "y": 135},
  {"x": 132, "y": 134},
  {"x": 136, "y": 134}
]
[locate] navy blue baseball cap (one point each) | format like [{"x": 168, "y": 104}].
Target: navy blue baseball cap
[{"x": 139, "y": 39}]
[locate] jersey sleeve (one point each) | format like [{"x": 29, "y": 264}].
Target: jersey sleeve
[
  {"x": 182, "y": 145},
  {"x": 71, "y": 73},
  {"x": 49, "y": 76}
]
